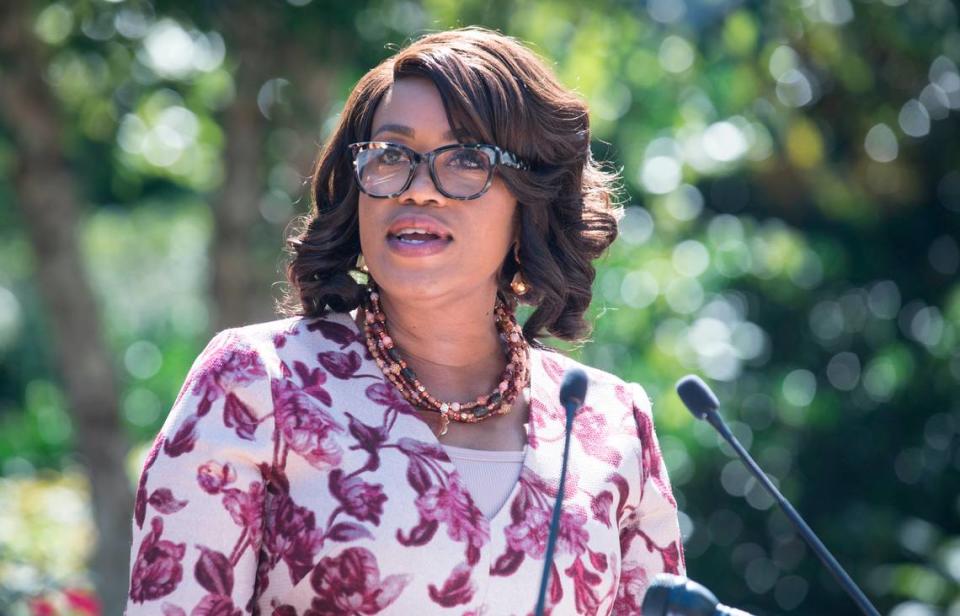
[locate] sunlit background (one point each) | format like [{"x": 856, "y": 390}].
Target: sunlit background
[{"x": 792, "y": 176}]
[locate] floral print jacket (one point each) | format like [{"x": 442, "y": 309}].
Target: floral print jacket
[{"x": 291, "y": 479}]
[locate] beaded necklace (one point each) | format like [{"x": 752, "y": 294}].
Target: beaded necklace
[{"x": 513, "y": 380}]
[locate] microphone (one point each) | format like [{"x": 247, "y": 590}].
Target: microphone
[
  {"x": 675, "y": 595},
  {"x": 573, "y": 391},
  {"x": 703, "y": 403}
]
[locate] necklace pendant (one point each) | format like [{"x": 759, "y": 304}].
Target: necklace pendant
[{"x": 444, "y": 422}]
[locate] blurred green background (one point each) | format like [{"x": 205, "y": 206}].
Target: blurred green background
[{"x": 791, "y": 234}]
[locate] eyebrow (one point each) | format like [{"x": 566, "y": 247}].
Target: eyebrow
[{"x": 406, "y": 131}]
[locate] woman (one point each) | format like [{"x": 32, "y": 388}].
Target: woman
[{"x": 395, "y": 446}]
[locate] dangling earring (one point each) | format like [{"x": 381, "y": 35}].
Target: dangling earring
[
  {"x": 362, "y": 265},
  {"x": 518, "y": 284}
]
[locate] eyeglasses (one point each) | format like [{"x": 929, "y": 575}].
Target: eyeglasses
[{"x": 459, "y": 171}]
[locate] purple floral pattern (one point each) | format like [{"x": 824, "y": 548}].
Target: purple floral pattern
[
  {"x": 528, "y": 534},
  {"x": 292, "y": 479},
  {"x": 158, "y": 567},
  {"x": 223, "y": 365},
  {"x": 358, "y": 498},
  {"x": 212, "y": 476},
  {"x": 305, "y": 426},
  {"x": 291, "y": 534},
  {"x": 451, "y": 506},
  {"x": 630, "y": 592},
  {"x": 350, "y": 584}
]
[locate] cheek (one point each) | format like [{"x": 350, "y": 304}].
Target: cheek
[
  {"x": 494, "y": 228},
  {"x": 504, "y": 215},
  {"x": 368, "y": 223}
]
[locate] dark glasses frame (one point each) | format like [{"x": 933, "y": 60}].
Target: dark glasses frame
[{"x": 497, "y": 156}]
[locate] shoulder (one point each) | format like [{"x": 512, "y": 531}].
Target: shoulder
[
  {"x": 332, "y": 330},
  {"x": 281, "y": 339},
  {"x": 246, "y": 362},
  {"x": 259, "y": 351},
  {"x": 604, "y": 389}
]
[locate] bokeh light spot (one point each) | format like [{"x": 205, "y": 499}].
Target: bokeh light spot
[
  {"x": 799, "y": 387},
  {"x": 639, "y": 289},
  {"x": 676, "y": 54},
  {"x": 914, "y": 119},
  {"x": 143, "y": 359},
  {"x": 690, "y": 258},
  {"x": 636, "y": 226},
  {"x": 843, "y": 370},
  {"x": 881, "y": 144},
  {"x": 660, "y": 174}
]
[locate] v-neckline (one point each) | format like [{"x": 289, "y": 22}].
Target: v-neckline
[
  {"x": 430, "y": 438},
  {"x": 427, "y": 435}
]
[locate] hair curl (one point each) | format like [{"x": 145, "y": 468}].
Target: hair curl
[{"x": 498, "y": 91}]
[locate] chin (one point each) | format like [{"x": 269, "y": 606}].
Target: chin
[
  {"x": 411, "y": 284},
  {"x": 430, "y": 285}
]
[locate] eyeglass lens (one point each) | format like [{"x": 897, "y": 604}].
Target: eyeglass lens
[{"x": 460, "y": 172}]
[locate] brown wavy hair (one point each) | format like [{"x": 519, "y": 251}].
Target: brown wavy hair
[{"x": 498, "y": 91}]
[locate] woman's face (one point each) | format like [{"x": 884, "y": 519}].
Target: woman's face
[{"x": 477, "y": 234}]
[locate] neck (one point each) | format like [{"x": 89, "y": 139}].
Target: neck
[{"x": 453, "y": 347}]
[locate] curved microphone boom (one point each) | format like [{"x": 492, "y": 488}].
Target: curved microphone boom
[
  {"x": 703, "y": 404},
  {"x": 573, "y": 391},
  {"x": 675, "y": 595}
]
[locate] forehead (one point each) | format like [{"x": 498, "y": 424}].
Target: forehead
[
  {"x": 412, "y": 108},
  {"x": 412, "y": 102}
]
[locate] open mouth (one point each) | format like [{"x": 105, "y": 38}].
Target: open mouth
[{"x": 416, "y": 237}]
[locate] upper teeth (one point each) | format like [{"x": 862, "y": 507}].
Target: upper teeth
[{"x": 409, "y": 230}]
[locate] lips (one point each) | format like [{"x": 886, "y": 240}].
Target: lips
[
  {"x": 418, "y": 228},
  {"x": 416, "y": 236}
]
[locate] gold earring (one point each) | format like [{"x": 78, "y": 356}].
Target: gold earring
[
  {"x": 518, "y": 284},
  {"x": 362, "y": 265}
]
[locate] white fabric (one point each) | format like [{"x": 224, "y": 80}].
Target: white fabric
[{"x": 488, "y": 475}]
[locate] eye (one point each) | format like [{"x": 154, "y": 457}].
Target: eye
[
  {"x": 392, "y": 156},
  {"x": 468, "y": 160}
]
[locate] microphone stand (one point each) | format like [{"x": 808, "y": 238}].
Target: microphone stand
[
  {"x": 572, "y": 393},
  {"x": 819, "y": 549},
  {"x": 704, "y": 404}
]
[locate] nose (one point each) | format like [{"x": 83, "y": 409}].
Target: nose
[{"x": 422, "y": 190}]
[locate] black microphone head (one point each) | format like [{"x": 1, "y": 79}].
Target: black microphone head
[
  {"x": 674, "y": 594},
  {"x": 574, "y": 388},
  {"x": 656, "y": 601},
  {"x": 696, "y": 396}
]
